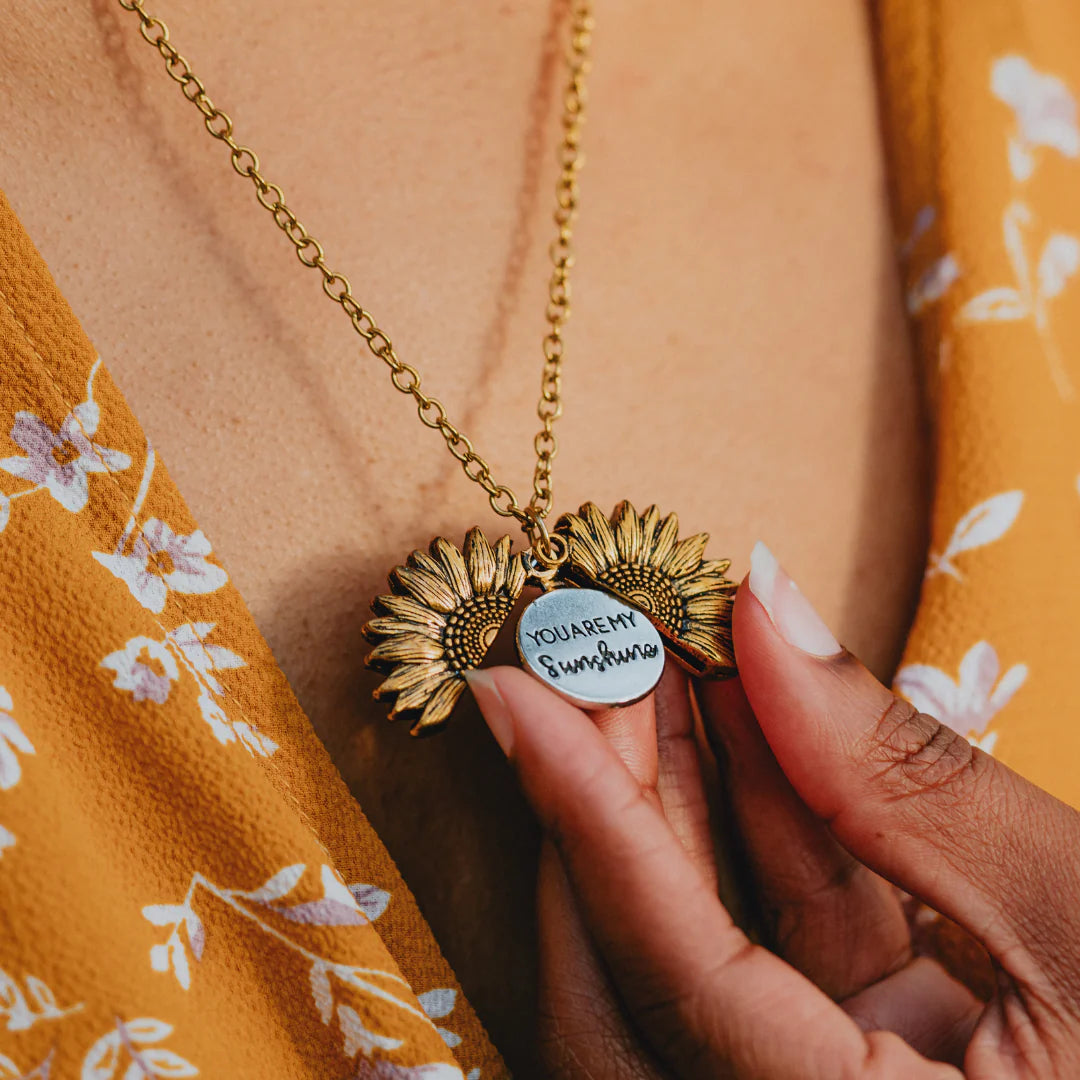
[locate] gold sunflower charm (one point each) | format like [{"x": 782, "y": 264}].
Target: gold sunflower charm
[
  {"x": 445, "y": 610},
  {"x": 640, "y": 560}
]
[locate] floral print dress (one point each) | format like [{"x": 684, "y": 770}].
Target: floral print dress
[{"x": 186, "y": 886}]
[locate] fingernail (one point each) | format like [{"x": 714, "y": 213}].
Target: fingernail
[
  {"x": 791, "y": 613},
  {"x": 492, "y": 707}
]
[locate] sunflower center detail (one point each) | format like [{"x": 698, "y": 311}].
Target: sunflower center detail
[
  {"x": 471, "y": 629},
  {"x": 647, "y": 588}
]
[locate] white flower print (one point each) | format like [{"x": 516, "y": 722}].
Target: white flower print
[
  {"x": 148, "y": 668},
  {"x": 145, "y": 667},
  {"x": 162, "y": 560},
  {"x": 1058, "y": 262},
  {"x": 1045, "y": 112},
  {"x": 984, "y": 523},
  {"x": 967, "y": 705},
  {"x": 60, "y": 461}
]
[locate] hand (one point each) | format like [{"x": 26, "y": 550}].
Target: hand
[{"x": 839, "y": 788}]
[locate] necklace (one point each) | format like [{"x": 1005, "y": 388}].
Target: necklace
[{"x": 618, "y": 591}]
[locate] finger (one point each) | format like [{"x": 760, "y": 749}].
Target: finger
[
  {"x": 925, "y": 1006},
  {"x": 680, "y": 781},
  {"x": 828, "y": 915},
  {"x": 905, "y": 794},
  {"x": 631, "y": 731},
  {"x": 708, "y": 1001},
  {"x": 582, "y": 1029}
]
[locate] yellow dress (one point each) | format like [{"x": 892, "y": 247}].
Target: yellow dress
[{"x": 186, "y": 886}]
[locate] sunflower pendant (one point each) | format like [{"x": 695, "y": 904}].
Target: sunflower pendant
[{"x": 624, "y": 590}]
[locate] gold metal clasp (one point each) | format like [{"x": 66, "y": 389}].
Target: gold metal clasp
[{"x": 547, "y": 552}]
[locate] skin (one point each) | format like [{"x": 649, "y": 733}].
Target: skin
[
  {"x": 737, "y": 350},
  {"x": 840, "y": 789}
]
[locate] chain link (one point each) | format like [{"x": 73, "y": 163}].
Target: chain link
[{"x": 404, "y": 377}]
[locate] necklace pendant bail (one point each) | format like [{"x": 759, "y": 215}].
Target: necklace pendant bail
[{"x": 546, "y": 552}]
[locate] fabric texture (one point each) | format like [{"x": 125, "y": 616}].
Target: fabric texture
[
  {"x": 979, "y": 105},
  {"x": 187, "y": 887}
]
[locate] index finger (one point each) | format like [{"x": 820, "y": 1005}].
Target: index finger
[{"x": 709, "y": 1001}]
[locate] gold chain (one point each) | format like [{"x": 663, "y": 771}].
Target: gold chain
[{"x": 404, "y": 376}]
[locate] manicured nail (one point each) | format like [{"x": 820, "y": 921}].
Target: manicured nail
[
  {"x": 492, "y": 707},
  {"x": 791, "y": 613}
]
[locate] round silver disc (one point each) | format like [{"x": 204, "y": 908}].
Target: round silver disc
[{"x": 590, "y": 648}]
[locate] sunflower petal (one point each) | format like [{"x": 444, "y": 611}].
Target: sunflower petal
[
  {"x": 649, "y": 522},
  {"x": 628, "y": 534},
  {"x": 716, "y": 566},
  {"x": 408, "y": 648},
  {"x": 416, "y": 697},
  {"x": 406, "y": 676},
  {"x": 405, "y": 607},
  {"x": 601, "y": 529},
  {"x": 438, "y": 709},
  {"x": 716, "y": 646},
  {"x": 664, "y": 545},
  {"x": 390, "y": 627},
  {"x": 481, "y": 561},
  {"x": 453, "y": 566},
  {"x": 502, "y": 564},
  {"x": 709, "y": 606},
  {"x": 687, "y": 555},
  {"x": 428, "y": 588},
  {"x": 421, "y": 560},
  {"x": 699, "y": 585},
  {"x": 585, "y": 549},
  {"x": 515, "y": 576}
]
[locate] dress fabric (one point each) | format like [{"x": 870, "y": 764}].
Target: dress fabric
[{"x": 186, "y": 886}]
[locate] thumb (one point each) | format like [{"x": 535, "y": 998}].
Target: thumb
[{"x": 901, "y": 791}]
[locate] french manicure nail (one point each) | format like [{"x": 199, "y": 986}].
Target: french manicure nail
[
  {"x": 492, "y": 707},
  {"x": 791, "y": 613}
]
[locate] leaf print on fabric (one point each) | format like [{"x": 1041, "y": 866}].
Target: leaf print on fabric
[
  {"x": 357, "y": 1037},
  {"x": 22, "y": 1008},
  {"x": 60, "y": 461},
  {"x": 933, "y": 283},
  {"x": 371, "y": 901},
  {"x": 265, "y": 906},
  {"x": 1058, "y": 262},
  {"x": 969, "y": 704},
  {"x": 161, "y": 560},
  {"x": 439, "y": 1004},
  {"x": 13, "y": 741},
  {"x": 42, "y": 1071},
  {"x": 922, "y": 223},
  {"x": 1045, "y": 112},
  {"x": 984, "y": 523},
  {"x": 387, "y": 1070},
  {"x": 130, "y": 1046}
]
